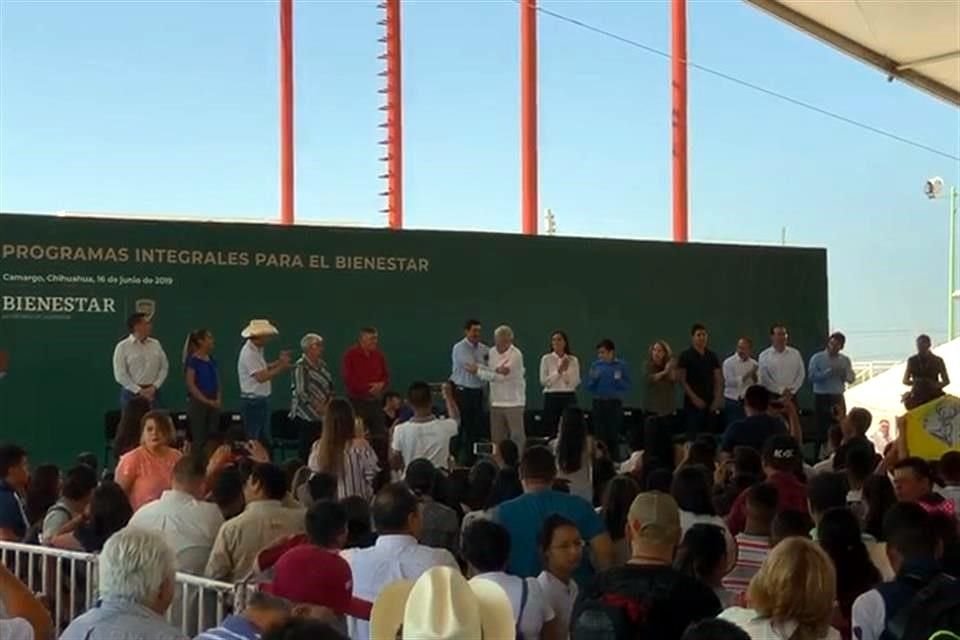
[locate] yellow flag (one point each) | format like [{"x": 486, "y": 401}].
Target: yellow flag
[{"x": 934, "y": 428}]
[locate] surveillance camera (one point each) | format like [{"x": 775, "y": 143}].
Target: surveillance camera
[{"x": 933, "y": 187}]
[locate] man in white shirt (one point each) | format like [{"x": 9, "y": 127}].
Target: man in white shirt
[
  {"x": 425, "y": 435},
  {"x": 739, "y": 372},
  {"x": 781, "y": 366},
  {"x": 255, "y": 374},
  {"x": 508, "y": 388},
  {"x": 140, "y": 366},
  {"x": 396, "y": 555}
]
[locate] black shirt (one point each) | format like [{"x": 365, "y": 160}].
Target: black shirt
[
  {"x": 753, "y": 432},
  {"x": 929, "y": 367},
  {"x": 699, "y": 369},
  {"x": 679, "y": 600}
]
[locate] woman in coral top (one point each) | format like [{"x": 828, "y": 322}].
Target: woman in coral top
[{"x": 147, "y": 471}]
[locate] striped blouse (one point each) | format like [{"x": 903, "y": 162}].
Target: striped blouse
[
  {"x": 360, "y": 467},
  {"x": 312, "y": 385},
  {"x": 751, "y": 552}
]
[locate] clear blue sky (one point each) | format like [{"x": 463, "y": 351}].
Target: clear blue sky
[{"x": 171, "y": 107}]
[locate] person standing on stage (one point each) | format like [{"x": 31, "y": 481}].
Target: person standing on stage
[
  {"x": 204, "y": 396},
  {"x": 739, "y": 373},
  {"x": 255, "y": 375},
  {"x": 661, "y": 380},
  {"x": 140, "y": 366},
  {"x": 508, "y": 388},
  {"x": 312, "y": 389},
  {"x": 560, "y": 377},
  {"x": 702, "y": 381},
  {"x": 468, "y": 356},
  {"x": 609, "y": 382},
  {"x": 830, "y": 373},
  {"x": 781, "y": 366},
  {"x": 366, "y": 377}
]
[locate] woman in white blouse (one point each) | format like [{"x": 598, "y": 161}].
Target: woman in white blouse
[{"x": 560, "y": 377}]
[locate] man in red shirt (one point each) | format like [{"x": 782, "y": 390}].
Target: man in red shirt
[
  {"x": 782, "y": 464},
  {"x": 365, "y": 375}
]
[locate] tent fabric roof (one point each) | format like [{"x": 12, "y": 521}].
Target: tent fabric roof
[
  {"x": 881, "y": 394},
  {"x": 916, "y": 41}
]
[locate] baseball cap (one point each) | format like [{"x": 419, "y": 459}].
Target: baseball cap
[
  {"x": 311, "y": 575},
  {"x": 654, "y": 517},
  {"x": 782, "y": 453}
]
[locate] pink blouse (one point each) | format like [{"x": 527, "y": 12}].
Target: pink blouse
[{"x": 146, "y": 474}]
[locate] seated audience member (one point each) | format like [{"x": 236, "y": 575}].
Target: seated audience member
[
  {"x": 913, "y": 482},
  {"x": 78, "y": 487},
  {"x": 647, "y": 583},
  {"x": 147, "y": 471},
  {"x": 478, "y": 486},
  {"x": 340, "y": 451},
  {"x": 834, "y": 440},
  {"x": 264, "y": 519},
  {"x": 14, "y": 478},
  {"x": 320, "y": 486},
  {"x": 913, "y": 546},
  {"x": 790, "y": 524},
  {"x": 136, "y": 585},
  {"x": 839, "y": 535},
  {"x": 227, "y": 492},
  {"x": 824, "y": 492},
  {"x": 360, "y": 534},
  {"x": 441, "y": 605},
  {"x": 950, "y": 471},
  {"x": 758, "y": 427},
  {"x": 303, "y": 629},
  {"x": 878, "y": 497},
  {"x": 781, "y": 462},
  {"x": 691, "y": 489},
  {"x": 315, "y": 574},
  {"x": 753, "y": 543},
  {"x": 620, "y": 494},
  {"x": 22, "y": 616},
  {"x": 860, "y": 465},
  {"x": 441, "y": 527},
  {"x": 130, "y": 427},
  {"x": 604, "y": 470},
  {"x": 791, "y": 596},
  {"x": 486, "y": 547},
  {"x": 715, "y": 629},
  {"x": 188, "y": 524},
  {"x": 42, "y": 492},
  {"x": 704, "y": 555},
  {"x": 854, "y": 427},
  {"x": 737, "y": 475},
  {"x": 523, "y": 518},
  {"x": 263, "y": 614},
  {"x": 425, "y": 435},
  {"x": 396, "y": 555},
  {"x": 109, "y": 512},
  {"x": 508, "y": 454},
  {"x": 574, "y": 450},
  {"x": 562, "y": 549}
]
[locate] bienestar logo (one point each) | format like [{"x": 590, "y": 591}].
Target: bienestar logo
[{"x": 58, "y": 304}]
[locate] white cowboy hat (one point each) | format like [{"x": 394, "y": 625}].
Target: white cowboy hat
[
  {"x": 259, "y": 328},
  {"x": 442, "y": 605}
]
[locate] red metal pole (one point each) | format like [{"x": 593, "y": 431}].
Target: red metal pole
[
  {"x": 528, "y": 115},
  {"x": 679, "y": 67},
  {"x": 394, "y": 118},
  {"x": 286, "y": 111}
]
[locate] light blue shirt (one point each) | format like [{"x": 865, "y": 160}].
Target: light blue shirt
[
  {"x": 465, "y": 352},
  {"x": 121, "y": 620},
  {"x": 830, "y": 375}
]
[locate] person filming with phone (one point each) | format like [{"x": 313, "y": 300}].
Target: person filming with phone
[{"x": 255, "y": 375}]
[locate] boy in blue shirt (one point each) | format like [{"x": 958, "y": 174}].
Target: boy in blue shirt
[{"x": 609, "y": 382}]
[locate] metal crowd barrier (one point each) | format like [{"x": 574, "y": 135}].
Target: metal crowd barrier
[{"x": 67, "y": 580}]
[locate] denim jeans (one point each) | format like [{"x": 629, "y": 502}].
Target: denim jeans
[{"x": 255, "y": 412}]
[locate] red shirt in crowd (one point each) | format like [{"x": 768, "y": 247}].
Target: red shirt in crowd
[
  {"x": 791, "y": 496},
  {"x": 362, "y": 368}
]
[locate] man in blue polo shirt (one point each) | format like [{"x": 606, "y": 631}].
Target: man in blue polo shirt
[
  {"x": 523, "y": 517},
  {"x": 609, "y": 382},
  {"x": 14, "y": 476}
]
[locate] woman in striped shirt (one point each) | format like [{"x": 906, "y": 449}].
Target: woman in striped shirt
[
  {"x": 312, "y": 388},
  {"x": 341, "y": 451}
]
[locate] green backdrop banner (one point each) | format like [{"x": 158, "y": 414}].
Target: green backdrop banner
[{"x": 68, "y": 284}]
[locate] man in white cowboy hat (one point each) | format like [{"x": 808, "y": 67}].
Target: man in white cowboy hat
[
  {"x": 442, "y": 605},
  {"x": 255, "y": 374}
]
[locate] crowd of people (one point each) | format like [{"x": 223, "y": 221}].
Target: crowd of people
[{"x": 403, "y": 519}]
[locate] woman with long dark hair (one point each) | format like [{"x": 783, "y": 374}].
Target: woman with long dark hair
[
  {"x": 43, "y": 492},
  {"x": 204, "y": 397},
  {"x": 560, "y": 377},
  {"x": 343, "y": 452},
  {"x": 574, "y": 449},
  {"x": 620, "y": 494},
  {"x": 661, "y": 380},
  {"x": 839, "y": 535}
]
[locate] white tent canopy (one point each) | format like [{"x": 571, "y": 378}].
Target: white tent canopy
[
  {"x": 916, "y": 41},
  {"x": 881, "y": 394}
]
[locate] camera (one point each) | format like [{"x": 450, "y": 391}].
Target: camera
[{"x": 933, "y": 187}]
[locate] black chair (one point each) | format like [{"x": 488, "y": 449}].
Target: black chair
[
  {"x": 111, "y": 422},
  {"x": 229, "y": 420},
  {"x": 283, "y": 434},
  {"x": 533, "y": 423}
]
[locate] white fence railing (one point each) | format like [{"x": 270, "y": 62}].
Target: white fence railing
[{"x": 67, "y": 579}]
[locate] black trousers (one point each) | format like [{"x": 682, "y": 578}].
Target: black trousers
[
  {"x": 607, "y": 421},
  {"x": 204, "y": 421},
  {"x": 473, "y": 428},
  {"x": 823, "y": 410},
  {"x": 697, "y": 421},
  {"x": 553, "y": 406},
  {"x": 308, "y": 431}
]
